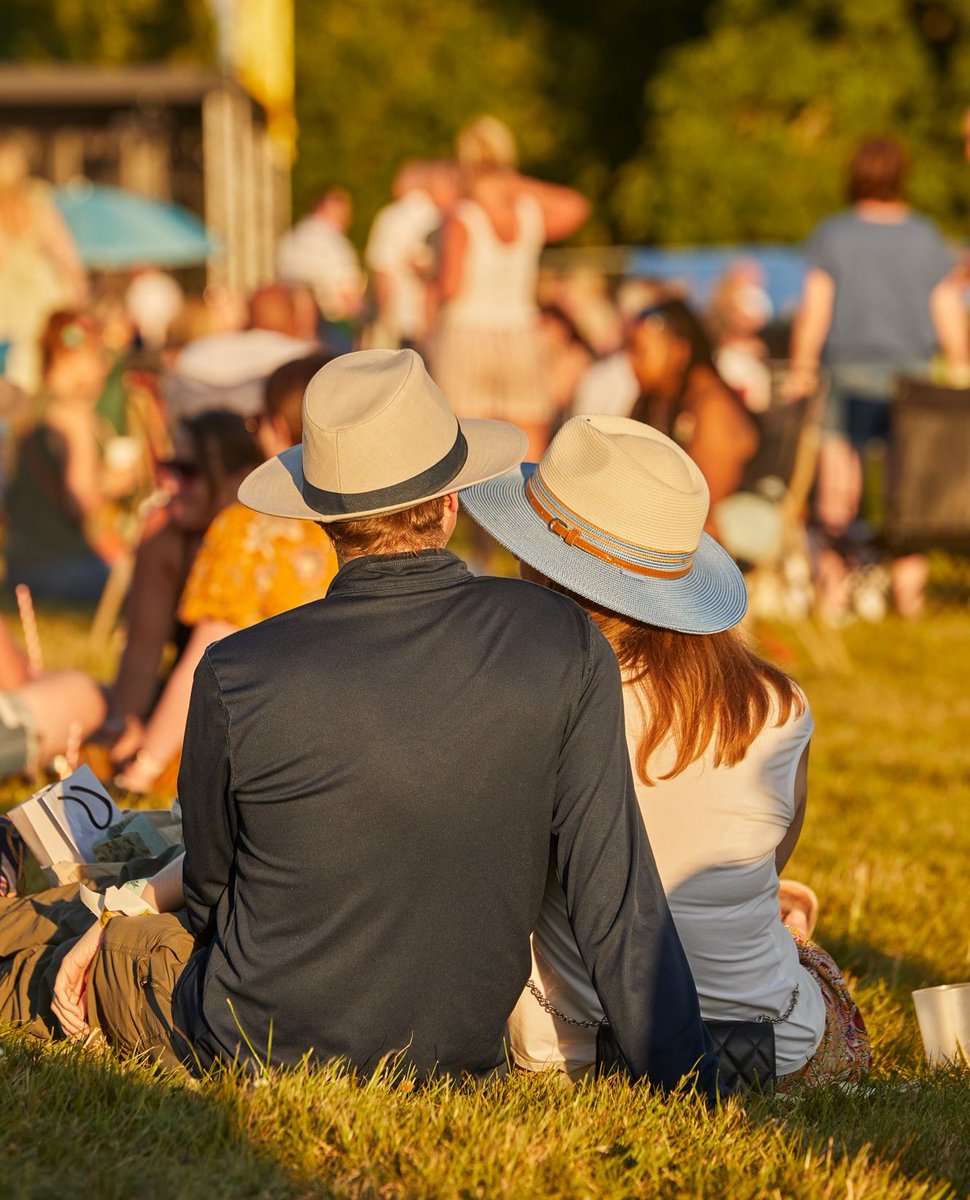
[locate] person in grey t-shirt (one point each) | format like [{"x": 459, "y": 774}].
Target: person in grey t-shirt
[{"x": 879, "y": 300}]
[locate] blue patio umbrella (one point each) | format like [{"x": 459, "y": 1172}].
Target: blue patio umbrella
[{"x": 115, "y": 229}]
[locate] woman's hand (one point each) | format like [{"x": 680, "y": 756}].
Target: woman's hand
[{"x": 70, "y": 1004}]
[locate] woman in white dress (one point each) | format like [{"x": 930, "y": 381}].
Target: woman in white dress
[
  {"x": 718, "y": 739},
  {"x": 486, "y": 353}
]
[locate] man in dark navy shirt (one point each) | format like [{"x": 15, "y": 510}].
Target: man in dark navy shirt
[{"x": 372, "y": 784}]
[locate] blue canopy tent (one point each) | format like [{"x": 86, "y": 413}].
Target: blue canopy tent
[
  {"x": 115, "y": 229},
  {"x": 700, "y": 267}
]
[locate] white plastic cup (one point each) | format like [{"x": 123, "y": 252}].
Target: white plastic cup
[{"x": 943, "y": 1014}]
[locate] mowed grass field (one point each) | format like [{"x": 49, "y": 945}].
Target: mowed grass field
[{"x": 885, "y": 845}]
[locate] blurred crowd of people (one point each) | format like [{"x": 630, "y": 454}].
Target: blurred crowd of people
[{"x": 132, "y": 408}]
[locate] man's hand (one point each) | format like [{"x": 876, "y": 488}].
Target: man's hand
[{"x": 70, "y": 1004}]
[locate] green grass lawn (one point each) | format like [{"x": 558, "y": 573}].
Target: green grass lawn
[{"x": 885, "y": 845}]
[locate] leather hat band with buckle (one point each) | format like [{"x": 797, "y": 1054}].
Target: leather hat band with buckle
[{"x": 574, "y": 531}]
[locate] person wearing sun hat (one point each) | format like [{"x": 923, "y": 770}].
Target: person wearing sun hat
[
  {"x": 613, "y": 515},
  {"x": 371, "y": 783}
]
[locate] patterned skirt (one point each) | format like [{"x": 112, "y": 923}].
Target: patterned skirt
[
  {"x": 495, "y": 374},
  {"x": 844, "y": 1054}
]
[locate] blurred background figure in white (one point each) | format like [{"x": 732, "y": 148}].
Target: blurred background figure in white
[
  {"x": 399, "y": 253},
  {"x": 318, "y": 253},
  {"x": 487, "y": 355}
]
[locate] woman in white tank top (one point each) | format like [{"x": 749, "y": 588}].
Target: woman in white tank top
[
  {"x": 613, "y": 515},
  {"x": 485, "y": 351}
]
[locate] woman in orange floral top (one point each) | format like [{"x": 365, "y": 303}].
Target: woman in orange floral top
[{"x": 250, "y": 567}]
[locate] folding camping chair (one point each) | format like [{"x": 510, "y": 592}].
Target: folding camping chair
[
  {"x": 928, "y": 502},
  {"x": 928, "y": 492}
]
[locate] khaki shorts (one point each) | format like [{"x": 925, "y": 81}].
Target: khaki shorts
[{"x": 131, "y": 980}]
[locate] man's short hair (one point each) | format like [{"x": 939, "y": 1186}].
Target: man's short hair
[
  {"x": 404, "y": 532},
  {"x": 877, "y": 171}
]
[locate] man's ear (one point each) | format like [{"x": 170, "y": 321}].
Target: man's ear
[{"x": 449, "y": 516}]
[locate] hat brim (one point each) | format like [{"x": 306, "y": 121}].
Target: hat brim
[
  {"x": 276, "y": 487},
  {"x": 711, "y": 598}
]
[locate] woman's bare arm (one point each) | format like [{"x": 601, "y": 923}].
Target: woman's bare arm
[
  {"x": 786, "y": 847},
  {"x": 811, "y": 328},
  {"x": 454, "y": 243},
  {"x": 949, "y": 318},
  {"x": 563, "y": 208},
  {"x": 724, "y": 436}
]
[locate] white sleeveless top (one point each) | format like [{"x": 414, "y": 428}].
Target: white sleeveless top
[
  {"x": 714, "y": 831},
  {"x": 498, "y": 279}
]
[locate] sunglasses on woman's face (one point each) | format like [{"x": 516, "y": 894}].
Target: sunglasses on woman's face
[{"x": 183, "y": 468}]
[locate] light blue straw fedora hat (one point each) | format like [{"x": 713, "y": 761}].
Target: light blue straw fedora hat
[{"x": 615, "y": 512}]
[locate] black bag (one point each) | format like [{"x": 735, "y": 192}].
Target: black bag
[
  {"x": 746, "y": 1054},
  {"x": 745, "y": 1051}
]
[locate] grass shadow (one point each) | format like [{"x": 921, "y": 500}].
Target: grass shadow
[
  {"x": 902, "y": 973},
  {"x": 83, "y": 1123},
  {"x": 919, "y": 1124}
]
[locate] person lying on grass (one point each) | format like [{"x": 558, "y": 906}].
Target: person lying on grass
[
  {"x": 371, "y": 785},
  {"x": 613, "y": 515}
]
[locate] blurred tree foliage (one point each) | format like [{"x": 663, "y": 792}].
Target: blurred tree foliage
[
  {"x": 106, "y": 32},
  {"x": 700, "y": 121},
  {"x": 379, "y": 81},
  {"x": 749, "y": 129}
]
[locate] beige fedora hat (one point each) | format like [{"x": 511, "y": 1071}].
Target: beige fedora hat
[
  {"x": 378, "y": 436},
  {"x": 615, "y": 512}
]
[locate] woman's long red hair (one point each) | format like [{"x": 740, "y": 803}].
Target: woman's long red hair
[{"x": 697, "y": 689}]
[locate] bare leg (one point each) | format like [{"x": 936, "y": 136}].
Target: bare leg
[
  {"x": 166, "y": 728},
  {"x": 832, "y": 579},
  {"x": 908, "y": 576},
  {"x": 58, "y": 700},
  {"x": 839, "y": 494}
]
